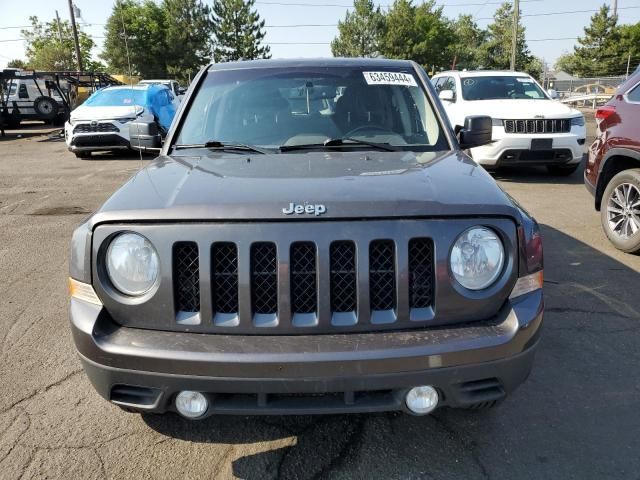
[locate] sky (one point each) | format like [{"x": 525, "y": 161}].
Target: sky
[{"x": 313, "y": 39}]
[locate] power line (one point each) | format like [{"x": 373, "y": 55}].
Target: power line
[{"x": 561, "y": 13}]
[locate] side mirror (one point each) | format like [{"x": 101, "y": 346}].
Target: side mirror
[
  {"x": 476, "y": 131},
  {"x": 447, "y": 95},
  {"x": 553, "y": 94},
  {"x": 145, "y": 136},
  {"x": 182, "y": 90}
]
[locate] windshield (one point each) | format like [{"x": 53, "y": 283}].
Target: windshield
[
  {"x": 275, "y": 107},
  {"x": 501, "y": 88},
  {"x": 117, "y": 97}
]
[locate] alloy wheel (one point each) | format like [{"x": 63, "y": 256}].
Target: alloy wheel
[{"x": 623, "y": 210}]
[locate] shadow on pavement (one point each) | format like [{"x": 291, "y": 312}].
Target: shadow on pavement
[
  {"x": 526, "y": 174},
  {"x": 577, "y": 416}
]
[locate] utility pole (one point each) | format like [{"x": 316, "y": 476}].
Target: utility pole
[
  {"x": 514, "y": 40},
  {"x": 59, "y": 27},
  {"x": 615, "y": 8},
  {"x": 75, "y": 35},
  {"x": 628, "y": 65}
]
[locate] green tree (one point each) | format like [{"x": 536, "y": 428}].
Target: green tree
[
  {"x": 565, "y": 63},
  {"x": 52, "y": 48},
  {"x": 238, "y": 31},
  {"x": 360, "y": 33},
  {"x": 466, "y": 48},
  {"x": 630, "y": 45},
  {"x": 17, "y": 63},
  {"x": 417, "y": 32},
  {"x": 188, "y": 37},
  {"x": 144, "y": 46},
  {"x": 598, "y": 51},
  {"x": 496, "y": 51}
]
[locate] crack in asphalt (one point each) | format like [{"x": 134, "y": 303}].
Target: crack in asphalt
[
  {"x": 610, "y": 313},
  {"x": 469, "y": 444},
  {"x": 42, "y": 390},
  {"x": 352, "y": 443},
  {"x": 17, "y": 440}
]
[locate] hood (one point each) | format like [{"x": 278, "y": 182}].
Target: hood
[
  {"x": 347, "y": 185},
  {"x": 84, "y": 112},
  {"x": 519, "y": 109}
]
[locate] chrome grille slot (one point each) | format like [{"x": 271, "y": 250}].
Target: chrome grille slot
[
  {"x": 224, "y": 284},
  {"x": 186, "y": 276}
]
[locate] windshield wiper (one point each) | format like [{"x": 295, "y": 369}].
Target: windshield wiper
[
  {"x": 217, "y": 145},
  {"x": 339, "y": 142}
]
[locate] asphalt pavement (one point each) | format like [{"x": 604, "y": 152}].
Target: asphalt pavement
[{"x": 578, "y": 415}]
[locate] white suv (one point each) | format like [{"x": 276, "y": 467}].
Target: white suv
[{"x": 529, "y": 127}]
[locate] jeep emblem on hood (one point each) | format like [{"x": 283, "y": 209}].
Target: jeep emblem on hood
[{"x": 306, "y": 208}]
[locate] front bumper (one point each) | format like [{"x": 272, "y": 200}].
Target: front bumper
[
  {"x": 94, "y": 141},
  {"x": 511, "y": 148},
  {"x": 471, "y": 365}
]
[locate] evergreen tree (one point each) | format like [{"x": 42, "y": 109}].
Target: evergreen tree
[
  {"x": 466, "y": 48},
  {"x": 238, "y": 31},
  {"x": 17, "y": 63},
  {"x": 417, "y": 32},
  {"x": 145, "y": 43},
  {"x": 496, "y": 51},
  {"x": 188, "y": 37},
  {"x": 360, "y": 33},
  {"x": 630, "y": 46},
  {"x": 598, "y": 52}
]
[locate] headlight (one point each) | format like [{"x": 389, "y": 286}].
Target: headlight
[
  {"x": 497, "y": 122},
  {"x": 577, "y": 121},
  {"x": 126, "y": 120},
  {"x": 477, "y": 258},
  {"x": 132, "y": 264}
]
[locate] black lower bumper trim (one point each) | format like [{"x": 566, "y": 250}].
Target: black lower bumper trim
[
  {"x": 466, "y": 386},
  {"x": 536, "y": 157}
]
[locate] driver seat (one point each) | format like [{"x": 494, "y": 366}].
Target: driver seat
[{"x": 357, "y": 108}]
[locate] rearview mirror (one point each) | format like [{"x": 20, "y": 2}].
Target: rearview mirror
[
  {"x": 145, "y": 136},
  {"x": 476, "y": 131},
  {"x": 447, "y": 95}
]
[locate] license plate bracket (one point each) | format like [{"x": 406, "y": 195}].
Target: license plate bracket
[{"x": 538, "y": 144}]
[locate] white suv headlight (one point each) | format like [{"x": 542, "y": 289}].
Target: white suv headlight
[
  {"x": 132, "y": 264},
  {"x": 477, "y": 258},
  {"x": 577, "y": 121}
]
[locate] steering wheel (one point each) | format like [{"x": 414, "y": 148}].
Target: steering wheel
[{"x": 375, "y": 127}]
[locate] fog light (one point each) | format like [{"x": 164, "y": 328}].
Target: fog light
[
  {"x": 191, "y": 404},
  {"x": 422, "y": 400}
]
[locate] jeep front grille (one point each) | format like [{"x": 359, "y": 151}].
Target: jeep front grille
[
  {"x": 558, "y": 125},
  {"x": 350, "y": 299}
]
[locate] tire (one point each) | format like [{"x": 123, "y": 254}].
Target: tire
[
  {"x": 622, "y": 193},
  {"x": 46, "y": 108},
  {"x": 562, "y": 170},
  {"x": 83, "y": 155}
]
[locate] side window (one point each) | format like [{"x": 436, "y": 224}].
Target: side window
[
  {"x": 450, "y": 84},
  {"x": 439, "y": 82},
  {"x": 634, "y": 95},
  {"x": 22, "y": 91}
]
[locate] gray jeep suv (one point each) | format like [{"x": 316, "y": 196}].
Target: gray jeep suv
[{"x": 311, "y": 239}]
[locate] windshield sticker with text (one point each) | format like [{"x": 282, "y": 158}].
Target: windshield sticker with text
[{"x": 389, "y": 78}]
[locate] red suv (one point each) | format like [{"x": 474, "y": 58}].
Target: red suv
[{"x": 612, "y": 173}]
